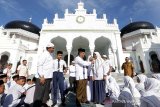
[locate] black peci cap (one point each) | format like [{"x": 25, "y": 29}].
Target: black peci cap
[
  {"x": 81, "y": 50},
  {"x": 3, "y": 76}
]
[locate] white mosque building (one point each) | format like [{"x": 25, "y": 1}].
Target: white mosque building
[{"x": 138, "y": 40}]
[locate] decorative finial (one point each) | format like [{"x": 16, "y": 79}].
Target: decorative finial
[
  {"x": 131, "y": 20},
  {"x": 30, "y": 19},
  {"x": 1, "y": 27}
]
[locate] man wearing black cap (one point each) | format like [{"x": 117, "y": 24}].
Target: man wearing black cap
[{"x": 81, "y": 77}]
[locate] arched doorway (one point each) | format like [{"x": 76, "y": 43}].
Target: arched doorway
[
  {"x": 80, "y": 42},
  {"x": 60, "y": 45},
  {"x": 66, "y": 59},
  {"x": 154, "y": 62},
  {"x": 4, "y": 58},
  {"x": 102, "y": 45}
]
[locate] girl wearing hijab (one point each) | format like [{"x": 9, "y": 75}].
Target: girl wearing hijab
[
  {"x": 113, "y": 88},
  {"x": 99, "y": 76},
  {"x": 129, "y": 94},
  {"x": 141, "y": 78},
  {"x": 151, "y": 96}
]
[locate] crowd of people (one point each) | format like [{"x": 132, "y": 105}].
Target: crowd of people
[{"x": 90, "y": 79}]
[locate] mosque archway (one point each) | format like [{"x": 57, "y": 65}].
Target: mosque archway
[
  {"x": 154, "y": 62},
  {"x": 102, "y": 45},
  {"x": 4, "y": 58},
  {"x": 66, "y": 59},
  {"x": 60, "y": 45},
  {"x": 80, "y": 42}
]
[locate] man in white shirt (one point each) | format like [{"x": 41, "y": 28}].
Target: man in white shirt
[
  {"x": 58, "y": 78},
  {"x": 81, "y": 77},
  {"x": 30, "y": 91},
  {"x": 22, "y": 69},
  {"x": 44, "y": 75}
]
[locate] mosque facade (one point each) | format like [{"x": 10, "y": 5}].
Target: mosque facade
[{"x": 138, "y": 40}]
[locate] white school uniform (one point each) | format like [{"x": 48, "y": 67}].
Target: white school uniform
[
  {"x": 100, "y": 69},
  {"x": 72, "y": 71},
  {"x": 12, "y": 83},
  {"x": 26, "y": 86},
  {"x": 61, "y": 66},
  {"x": 30, "y": 94},
  {"x": 6, "y": 88},
  {"x": 8, "y": 72},
  {"x": 80, "y": 64},
  {"x": 45, "y": 65},
  {"x": 12, "y": 98}
]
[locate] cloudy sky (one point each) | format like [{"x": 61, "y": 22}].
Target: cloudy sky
[{"x": 123, "y": 10}]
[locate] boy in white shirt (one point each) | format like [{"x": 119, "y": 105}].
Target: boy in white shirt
[
  {"x": 14, "y": 80},
  {"x": 13, "y": 97},
  {"x": 72, "y": 76},
  {"x": 22, "y": 69},
  {"x": 58, "y": 78},
  {"x": 30, "y": 91}
]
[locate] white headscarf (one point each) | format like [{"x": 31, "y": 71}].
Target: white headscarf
[
  {"x": 140, "y": 86},
  {"x": 152, "y": 84},
  {"x": 99, "y": 61},
  {"x": 114, "y": 87},
  {"x": 128, "y": 82},
  {"x": 156, "y": 76},
  {"x": 142, "y": 78},
  {"x": 152, "y": 95}
]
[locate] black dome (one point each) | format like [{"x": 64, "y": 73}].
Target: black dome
[
  {"x": 135, "y": 26},
  {"x": 28, "y": 26}
]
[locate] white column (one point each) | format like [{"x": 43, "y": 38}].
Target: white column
[
  {"x": 69, "y": 48},
  {"x": 119, "y": 51},
  {"x": 91, "y": 46},
  {"x": 115, "y": 60},
  {"x": 69, "y": 52}
]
